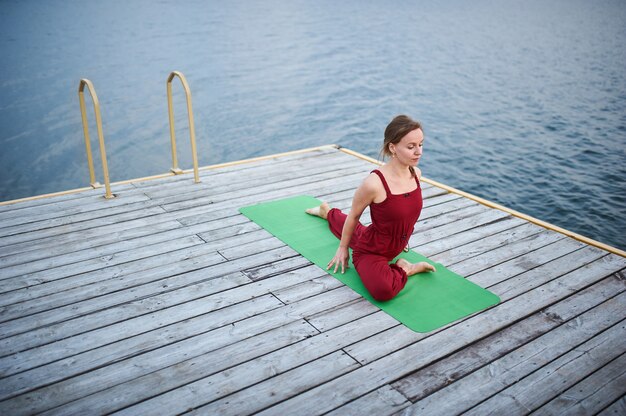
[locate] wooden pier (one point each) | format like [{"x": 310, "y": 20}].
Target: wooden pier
[{"x": 166, "y": 300}]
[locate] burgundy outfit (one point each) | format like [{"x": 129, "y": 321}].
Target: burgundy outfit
[{"x": 374, "y": 246}]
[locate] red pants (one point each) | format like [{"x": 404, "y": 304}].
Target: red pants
[{"x": 381, "y": 279}]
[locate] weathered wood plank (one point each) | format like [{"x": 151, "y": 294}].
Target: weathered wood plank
[
  {"x": 467, "y": 210},
  {"x": 201, "y": 214},
  {"x": 278, "y": 267},
  {"x": 591, "y": 394},
  {"x": 208, "y": 176},
  {"x": 153, "y": 221},
  {"x": 381, "y": 402},
  {"x": 76, "y": 240},
  {"x": 69, "y": 219},
  {"x": 61, "y": 292},
  {"x": 441, "y": 208},
  {"x": 55, "y": 203},
  {"x": 78, "y": 307},
  {"x": 343, "y": 314},
  {"x": 459, "y": 226},
  {"x": 214, "y": 174},
  {"x": 74, "y": 362},
  {"x": 440, "y": 199},
  {"x": 513, "y": 248},
  {"x": 97, "y": 194},
  {"x": 279, "y": 387},
  {"x": 559, "y": 375},
  {"x": 513, "y": 241},
  {"x": 400, "y": 363},
  {"x": 274, "y": 173},
  {"x": 80, "y": 226},
  {"x": 206, "y": 390},
  {"x": 354, "y": 169},
  {"x": 516, "y": 368},
  {"x": 189, "y": 312},
  {"x": 63, "y": 227},
  {"x": 443, "y": 373},
  {"x": 252, "y": 247},
  {"x": 261, "y": 181},
  {"x": 50, "y": 212},
  {"x": 616, "y": 409},
  {"x": 514, "y": 285},
  {"x": 315, "y": 286},
  {"x": 50, "y": 200},
  {"x": 125, "y": 382},
  {"x": 81, "y": 221},
  {"x": 163, "y": 232},
  {"x": 276, "y": 177},
  {"x": 87, "y": 247},
  {"x": 113, "y": 324},
  {"x": 90, "y": 265},
  {"x": 499, "y": 273},
  {"x": 447, "y": 237},
  {"x": 38, "y": 277},
  {"x": 449, "y": 248},
  {"x": 111, "y": 309},
  {"x": 433, "y": 192}
]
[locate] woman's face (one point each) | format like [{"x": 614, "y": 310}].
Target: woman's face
[{"x": 409, "y": 148}]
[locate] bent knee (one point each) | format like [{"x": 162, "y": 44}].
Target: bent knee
[{"x": 383, "y": 294}]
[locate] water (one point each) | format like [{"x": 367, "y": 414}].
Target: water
[{"x": 523, "y": 102}]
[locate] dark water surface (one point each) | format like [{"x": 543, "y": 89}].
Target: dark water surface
[{"x": 523, "y": 102}]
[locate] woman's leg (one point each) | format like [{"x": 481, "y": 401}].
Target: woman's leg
[
  {"x": 383, "y": 280},
  {"x": 336, "y": 219}
]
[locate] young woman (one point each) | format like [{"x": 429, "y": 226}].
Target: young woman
[{"x": 394, "y": 196}]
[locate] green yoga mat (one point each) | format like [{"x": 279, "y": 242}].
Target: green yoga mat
[{"x": 427, "y": 302}]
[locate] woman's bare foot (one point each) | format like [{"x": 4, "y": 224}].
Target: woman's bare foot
[
  {"x": 412, "y": 269},
  {"x": 321, "y": 211}
]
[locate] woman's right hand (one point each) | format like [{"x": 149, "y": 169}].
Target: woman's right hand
[{"x": 340, "y": 259}]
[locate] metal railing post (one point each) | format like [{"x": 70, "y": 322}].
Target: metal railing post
[
  {"x": 103, "y": 155},
  {"x": 192, "y": 131}
]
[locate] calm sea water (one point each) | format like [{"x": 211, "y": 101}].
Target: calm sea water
[{"x": 523, "y": 102}]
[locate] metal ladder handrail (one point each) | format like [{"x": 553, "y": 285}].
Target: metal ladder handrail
[
  {"x": 83, "y": 111},
  {"x": 192, "y": 133}
]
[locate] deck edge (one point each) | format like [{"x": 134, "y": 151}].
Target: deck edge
[{"x": 169, "y": 174}]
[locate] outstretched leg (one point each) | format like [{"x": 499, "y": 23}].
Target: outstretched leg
[
  {"x": 412, "y": 269},
  {"x": 321, "y": 211}
]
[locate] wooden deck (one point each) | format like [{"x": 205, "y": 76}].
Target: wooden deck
[{"x": 166, "y": 300}]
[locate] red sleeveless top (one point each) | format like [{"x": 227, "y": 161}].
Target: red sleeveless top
[{"x": 392, "y": 222}]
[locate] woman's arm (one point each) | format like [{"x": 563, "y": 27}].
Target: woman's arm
[{"x": 363, "y": 197}]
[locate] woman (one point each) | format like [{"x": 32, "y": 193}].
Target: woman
[{"x": 394, "y": 196}]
